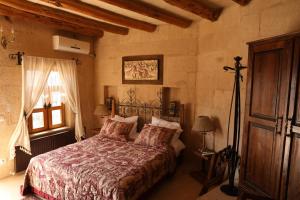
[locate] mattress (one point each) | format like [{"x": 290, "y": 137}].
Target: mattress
[{"x": 98, "y": 168}]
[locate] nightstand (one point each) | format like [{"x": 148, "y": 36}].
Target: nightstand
[
  {"x": 206, "y": 168},
  {"x": 214, "y": 173}
]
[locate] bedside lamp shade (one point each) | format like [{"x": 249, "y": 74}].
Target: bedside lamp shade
[
  {"x": 203, "y": 124},
  {"x": 101, "y": 110}
]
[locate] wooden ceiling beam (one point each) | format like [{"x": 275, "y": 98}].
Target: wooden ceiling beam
[
  {"x": 103, "y": 14},
  {"x": 151, "y": 11},
  {"x": 60, "y": 25},
  {"x": 197, "y": 8},
  {"x": 242, "y": 2},
  {"x": 46, "y": 11}
]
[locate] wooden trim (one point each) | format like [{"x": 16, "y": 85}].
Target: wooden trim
[
  {"x": 242, "y": 2},
  {"x": 30, "y": 125},
  {"x": 62, "y": 110},
  {"x": 160, "y": 59},
  {"x": 61, "y": 15},
  {"x": 103, "y": 14},
  {"x": 57, "y": 24},
  {"x": 198, "y": 8},
  {"x": 151, "y": 11}
]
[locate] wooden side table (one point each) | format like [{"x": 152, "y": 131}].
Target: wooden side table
[{"x": 216, "y": 169}]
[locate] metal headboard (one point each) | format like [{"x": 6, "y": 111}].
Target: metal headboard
[{"x": 131, "y": 106}]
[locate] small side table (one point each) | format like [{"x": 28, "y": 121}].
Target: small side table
[
  {"x": 216, "y": 169},
  {"x": 206, "y": 160}
]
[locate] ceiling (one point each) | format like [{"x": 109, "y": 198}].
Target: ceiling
[
  {"x": 157, "y": 3},
  {"x": 94, "y": 17}
]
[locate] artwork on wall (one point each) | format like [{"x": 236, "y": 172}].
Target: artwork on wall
[{"x": 142, "y": 69}]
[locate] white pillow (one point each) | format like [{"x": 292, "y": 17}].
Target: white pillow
[
  {"x": 172, "y": 125},
  {"x": 132, "y": 119},
  {"x": 178, "y": 146}
]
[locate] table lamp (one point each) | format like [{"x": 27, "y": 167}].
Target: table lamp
[{"x": 203, "y": 125}]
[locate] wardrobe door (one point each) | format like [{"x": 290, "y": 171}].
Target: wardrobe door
[
  {"x": 265, "y": 116},
  {"x": 293, "y": 129}
]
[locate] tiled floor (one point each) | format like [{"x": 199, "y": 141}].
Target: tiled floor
[{"x": 179, "y": 187}]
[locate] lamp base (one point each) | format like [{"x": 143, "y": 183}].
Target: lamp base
[{"x": 230, "y": 190}]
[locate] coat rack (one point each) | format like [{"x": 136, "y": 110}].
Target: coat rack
[{"x": 232, "y": 153}]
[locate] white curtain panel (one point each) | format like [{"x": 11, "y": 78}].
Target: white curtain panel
[
  {"x": 35, "y": 73},
  {"x": 68, "y": 75}
]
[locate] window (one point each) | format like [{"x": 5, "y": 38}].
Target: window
[{"x": 49, "y": 112}]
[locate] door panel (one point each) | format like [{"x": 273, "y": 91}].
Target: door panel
[
  {"x": 265, "y": 116},
  {"x": 293, "y": 190},
  {"x": 294, "y": 174},
  {"x": 260, "y": 153},
  {"x": 266, "y": 72}
]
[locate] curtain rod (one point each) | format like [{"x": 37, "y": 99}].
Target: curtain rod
[{"x": 19, "y": 56}]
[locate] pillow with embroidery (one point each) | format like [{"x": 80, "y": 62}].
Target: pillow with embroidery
[
  {"x": 155, "y": 135},
  {"x": 116, "y": 130}
]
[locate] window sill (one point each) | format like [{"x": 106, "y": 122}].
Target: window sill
[{"x": 49, "y": 132}]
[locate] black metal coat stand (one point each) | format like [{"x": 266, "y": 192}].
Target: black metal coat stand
[{"x": 232, "y": 151}]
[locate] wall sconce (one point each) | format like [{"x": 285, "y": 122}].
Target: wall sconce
[{"x": 5, "y": 40}]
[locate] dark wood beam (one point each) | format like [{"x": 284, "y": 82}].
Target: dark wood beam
[
  {"x": 151, "y": 11},
  {"x": 242, "y": 2},
  {"x": 197, "y": 8},
  {"x": 46, "y": 11},
  {"x": 60, "y": 25},
  {"x": 102, "y": 14}
]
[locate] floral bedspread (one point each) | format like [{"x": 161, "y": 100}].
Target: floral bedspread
[{"x": 98, "y": 168}]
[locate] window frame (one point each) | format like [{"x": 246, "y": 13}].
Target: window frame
[
  {"x": 30, "y": 121},
  {"x": 47, "y": 112},
  {"x": 62, "y": 110}
]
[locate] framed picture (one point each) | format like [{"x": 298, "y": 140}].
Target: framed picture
[{"x": 142, "y": 69}]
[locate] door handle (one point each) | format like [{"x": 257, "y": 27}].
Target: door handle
[
  {"x": 289, "y": 127},
  {"x": 278, "y": 125}
]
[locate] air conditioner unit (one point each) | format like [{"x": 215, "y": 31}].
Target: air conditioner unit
[{"x": 61, "y": 43}]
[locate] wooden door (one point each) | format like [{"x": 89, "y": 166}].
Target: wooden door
[
  {"x": 293, "y": 130},
  {"x": 265, "y": 116}
]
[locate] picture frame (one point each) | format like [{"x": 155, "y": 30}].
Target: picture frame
[{"x": 143, "y": 69}]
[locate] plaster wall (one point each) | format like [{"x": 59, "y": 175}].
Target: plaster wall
[
  {"x": 220, "y": 41},
  {"x": 194, "y": 59},
  {"x": 36, "y": 40}
]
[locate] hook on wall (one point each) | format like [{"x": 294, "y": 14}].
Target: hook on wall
[{"x": 17, "y": 56}]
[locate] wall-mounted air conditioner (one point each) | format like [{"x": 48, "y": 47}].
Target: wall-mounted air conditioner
[{"x": 61, "y": 43}]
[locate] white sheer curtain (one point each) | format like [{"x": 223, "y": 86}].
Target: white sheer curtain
[
  {"x": 35, "y": 73},
  {"x": 68, "y": 75}
]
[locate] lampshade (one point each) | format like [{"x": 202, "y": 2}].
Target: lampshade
[
  {"x": 203, "y": 124},
  {"x": 101, "y": 110}
]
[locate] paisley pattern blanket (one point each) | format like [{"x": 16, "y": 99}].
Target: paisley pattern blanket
[{"x": 98, "y": 168}]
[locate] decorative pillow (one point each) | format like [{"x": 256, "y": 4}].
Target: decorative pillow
[
  {"x": 116, "y": 130},
  {"x": 132, "y": 119},
  {"x": 155, "y": 135},
  {"x": 171, "y": 125}
]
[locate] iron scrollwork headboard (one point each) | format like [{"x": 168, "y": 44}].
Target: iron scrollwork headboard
[{"x": 131, "y": 106}]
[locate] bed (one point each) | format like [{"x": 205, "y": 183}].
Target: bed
[{"x": 100, "y": 168}]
